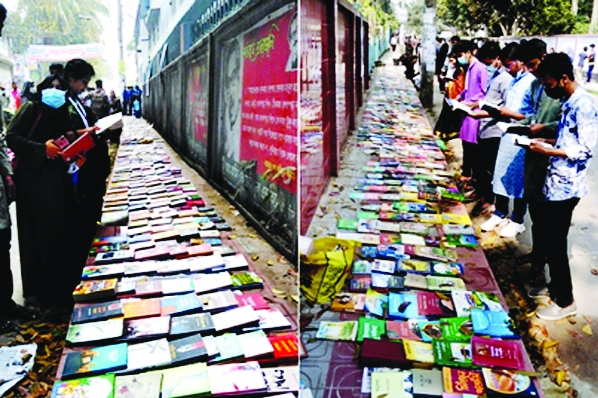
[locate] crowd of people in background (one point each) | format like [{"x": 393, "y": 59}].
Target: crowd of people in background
[
  {"x": 528, "y": 131},
  {"x": 410, "y": 59}
]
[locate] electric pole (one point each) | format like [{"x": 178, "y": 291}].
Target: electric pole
[{"x": 428, "y": 58}]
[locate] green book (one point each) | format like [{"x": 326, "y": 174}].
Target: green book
[
  {"x": 366, "y": 215},
  {"x": 246, "y": 280},
  {"x": 186, "y": 381},
  {"x": 453, "y": 353},
  {"x": 370, "y": 328},
  {"x": 342, "y": 330},
  {"x": 457, "y": 329},
  {"x": 345, "y": 223}
]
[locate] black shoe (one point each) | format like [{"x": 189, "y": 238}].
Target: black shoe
[{"x": 18, "y": 312}]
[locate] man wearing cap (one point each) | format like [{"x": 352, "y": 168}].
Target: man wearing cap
[{"x": 591, "y": 61}]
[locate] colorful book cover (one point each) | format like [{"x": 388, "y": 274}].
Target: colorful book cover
[
  {"x": 95, "y": 331},
  {"x": 384, "y": 266},
  {"x": 246, "y": 280},
  {"x": 489, "y": 352},
  {"x": 186, "y": 381},
  {"x": 430, "y": 330},
  {"x": 186, "y": 348},
  {"x": 418, "y": 351},
  {"x": 370, "y": 328},
  {"x": 411, "y": 265},
  {"x": 506, "y": 383},
  {"x": 236, "y": 378},
  {"x": 463, "y": 381},
  {"x": 445, "y": 283},
  {"x": 457, "y": 328},
  {"x": 380, "y": 281},
  {"x": 102, "y": 271},
  {"x": 141, "y": 308},
  {"x": 360, "y": 283},
  {"x": 398, "y": 330},
  {"x": 180, "y": 304},
  {"x": 193, "y": 323},
  {"x": 145, "y": 385},
  {"x": 341, "y": 330},
  {"x": 453, "y": 353},
  {"x": 415, "y": 281},
  {"x": 149, "y": 354},
  {"x": 361, "y": 267},
  {"x": 465, "y": 301},
  {"x": 96, "y": 312},
  {"x": 348, "y": 224},
  {"x": 343, "y": 302},
  {"x": 95, "y": 360},
  {"x": 88, "y": 290},
  {"x": 375, "y": 302},
  {"x": 87, "y": 387},
  {"x": 434, "y": 304},
  {"x": 493, "y": 324},
  {"x": 147, "y": 327},
  {"x": 281, "y": 379},
  {"x": 286, "y": 346},
  {"x": 403, "y": 305},
  {"x": 229, "y": 347},
  {"x": 255, "y": 344},
  {"x": 447, "y": 269}
]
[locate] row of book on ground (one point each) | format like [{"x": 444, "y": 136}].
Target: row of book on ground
[
  {"x": 166, "y": 307},
  {"x": 420, "y": 331}
]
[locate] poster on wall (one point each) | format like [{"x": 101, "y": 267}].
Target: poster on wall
[
  {"x": 258, "y": 103},
  {"x": 198, "y": 100}
]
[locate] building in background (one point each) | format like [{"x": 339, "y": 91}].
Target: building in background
[{"x": 202, "y": 66}]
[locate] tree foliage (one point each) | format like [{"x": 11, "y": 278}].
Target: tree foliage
[
  {"x": 379, "y": 14},
  {"x": 415, "y": 19},
  {"x": 511, "y": 17},
  {"x": 56, "y": 22}
]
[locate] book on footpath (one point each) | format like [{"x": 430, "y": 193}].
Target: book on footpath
[
  {"x": 87, "y": 387},
  {"x": 144, "y": 385},
  {"x": 94, "y": 361}
]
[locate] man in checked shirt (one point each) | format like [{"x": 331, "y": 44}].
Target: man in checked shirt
[{"x": 566, "y": 180}]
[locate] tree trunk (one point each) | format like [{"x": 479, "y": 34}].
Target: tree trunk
[
  {"x": 503, "y": 29},
  {"x": 594, "y": 19},
  {"x": 574, "y": 7}
]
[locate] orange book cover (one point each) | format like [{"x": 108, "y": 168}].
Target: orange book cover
[{"x": 142, "y": 308}]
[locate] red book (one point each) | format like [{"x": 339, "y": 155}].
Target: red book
[
  {"x": 383, "y": 353},
  {"x": 198, "y": 203},
  {"x": 430, "y": 304},
  {"x": 494, "y": 353},
  {"x": 286, "y": 346},
  {"x": 463, "y": 381},
  {"x": 255, "y": 300},
  {"x": 142, "y": 308},
  {"x": 83, "y": 144}
]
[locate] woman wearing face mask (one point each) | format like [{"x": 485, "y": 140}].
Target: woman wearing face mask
[
  {"x": 48, "y": 204},
  {"x": 449, "y": 122}
]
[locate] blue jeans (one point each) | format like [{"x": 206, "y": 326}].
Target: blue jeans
[
  {"x": 502, "y": 208},
  {"x": 590, "y": 69}
]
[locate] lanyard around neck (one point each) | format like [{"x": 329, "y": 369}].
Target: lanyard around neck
[{"x": 80, "y": 110}]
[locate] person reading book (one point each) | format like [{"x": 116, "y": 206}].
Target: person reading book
[
  {"x": 476, "y": 86},
  {"x": 489, "y": 133},
  {"x": 507, "y": 180},
  {"x": 566, "y": 179},
  {"x": 50, "y": 209}
]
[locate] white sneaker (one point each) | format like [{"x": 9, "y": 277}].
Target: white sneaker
[
  {"x": 553, "y": 312},
  {"x": 492, "y": 223},
  {"x": 512, "y": 229}
]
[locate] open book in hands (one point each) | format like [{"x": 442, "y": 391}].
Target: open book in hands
[
  {"x": 492, "y": 109},
  {"x": 111, "y": 122},
  {"x": 525, "y": 142},
  {"x": 459, "y": 106},
  {"x": 514, "y": 128}
]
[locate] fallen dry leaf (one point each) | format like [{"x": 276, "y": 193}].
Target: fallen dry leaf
[
  {"x": 255, "y": 257},
  {"x": 587, "y": 329},
  {"x": 270, "y": 263}
]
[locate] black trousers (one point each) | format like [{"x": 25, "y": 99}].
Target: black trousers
[
  {"x": 484, "y": 167},
  {"x": 550, "y": 229},
  {"x": 470, "y": 154},
  {"x": 6, "y": 285}
]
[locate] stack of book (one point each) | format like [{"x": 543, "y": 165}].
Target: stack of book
[
  {"x": 422, "y": 332},
  {"x": 165, "y": 307}
]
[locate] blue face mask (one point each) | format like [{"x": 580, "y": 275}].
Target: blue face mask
[
  {"x": 462, "y": 61},
  {"x": 491, "y": 69},
  {"x": 53, "y": 97}
]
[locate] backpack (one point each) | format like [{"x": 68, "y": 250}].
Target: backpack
[{"x": 98, "y": 102}]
